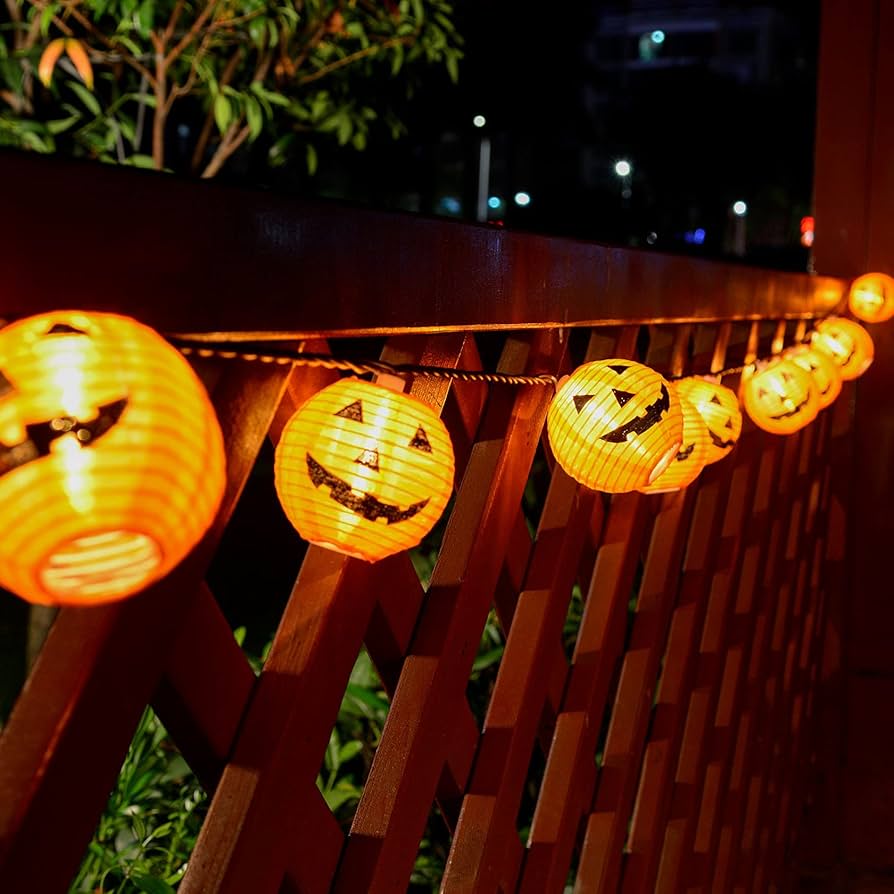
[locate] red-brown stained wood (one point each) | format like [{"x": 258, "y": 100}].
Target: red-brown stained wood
[
  {"x": 478, "y": 858},
  {"x": 399, "y": 791}
]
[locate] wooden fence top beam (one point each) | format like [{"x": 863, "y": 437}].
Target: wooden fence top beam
[{"x": 190, "y": 258}]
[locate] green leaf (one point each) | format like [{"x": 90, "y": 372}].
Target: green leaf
[
  {"x": 46, "y": 17},
  {"x": 312, "y": 161},
  {"x": 349, "y": 750},
  {"x": 343, "y": 792},
  {"x": 151, "y": 885},
  {"x": 86, "y": 97},
  {"x": 60, "y": 125},
  {"x": 452, "y": 67},
  {"x": 487, "y": 659},
  {"x": 255, "y": 117},
  {"x": 223, "y": 112},
  {"x": 145, "y": 17}
]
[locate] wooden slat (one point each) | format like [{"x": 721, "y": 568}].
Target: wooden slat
[
  {"x": 399, "y": 791},
  {"x": 269, "y": 784}
]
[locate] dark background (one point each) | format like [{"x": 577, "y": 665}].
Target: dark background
[{"x": 719, "y": 108}]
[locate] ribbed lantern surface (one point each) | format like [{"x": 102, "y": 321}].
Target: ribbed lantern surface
[
  {"x": 825, "y": 372},
  {"x": 780, "y": 397},
  {"x": 847, "y": 343},
  {"x": 689, "y": 460},
  {"x": 364, "y": 470},
  {"x": 871, "y": 297},
  {"x": 614, "y": 425},
  {"x": 719, "y": 407},
  {"x": 111, "y": 458}
]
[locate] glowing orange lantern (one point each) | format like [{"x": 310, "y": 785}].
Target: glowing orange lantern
[
  {"x": 111, "y": 458},
  {"x": 825, "y": 372},
  {"x": 719, "y": 407},
  {"x": 690, "y": 458},
  {"x": 364, "y": 470},
  {"x": 847, "y": 343},
  {"x": 615, "y": 425},
  {"x": 780, "y": 397},
  {"x": 871, "y": 297}
]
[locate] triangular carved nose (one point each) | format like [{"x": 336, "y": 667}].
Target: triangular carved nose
[{"x": 370, "y": 459}]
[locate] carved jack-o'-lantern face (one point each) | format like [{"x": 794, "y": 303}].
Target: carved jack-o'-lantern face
[
  {"x": 823, "y": 369},
  {"x": 847, "y": 343},
  {"x": 690, "y": 458},
  {"x": 780, "y": 397},
  {"x": 111, "y": 458},
  {"x": 719, "y": 407},
  {"x": 615, "y": 425},
  {"x": 364, "y": 470},
  {"x": 871, "y": 297}
]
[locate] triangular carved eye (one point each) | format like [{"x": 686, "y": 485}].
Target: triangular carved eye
[
  {"x": 786, "y": 377},
  {"x": 581, "y": 400},
  {"x": 715, "y": 399},
  {"x": 64, "y": 329},
  {"x": 619, "y": 368},
  {"x": 420, "y": 441},
  {"x": 5, "y": 385},
  {"x": 761, "y": 392},
  {"x": 352, "y": 411},
  {"x": 622, "y": 396},
  {"x": 729, "y": 423}
]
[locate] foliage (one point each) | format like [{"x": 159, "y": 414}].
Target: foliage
[
  {"x": 183, "y": 84},
  {"x": 151, "y": 821}
]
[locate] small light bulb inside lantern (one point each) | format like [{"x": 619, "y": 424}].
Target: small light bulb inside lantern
[
  {"x": 847, "y": 343},
  {"x": 779, "y": 396},
  {"x": 871, "y": 297},
  {"x": 719, "y": 407},
  {"x": 111, "y": 458},
  {"x": 690, "y": 458},
  {"x": 825, "y": 372},
  {"x": 615, "y": 425},
  {"x": 363, "y": 469}
]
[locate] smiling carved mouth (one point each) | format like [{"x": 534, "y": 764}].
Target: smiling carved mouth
[
  {"x": 40, "y": 435},
  {"x": 364, "y": 505},
  {"x": 795, "y": 411},
  {"x": 637, "y": 426}
]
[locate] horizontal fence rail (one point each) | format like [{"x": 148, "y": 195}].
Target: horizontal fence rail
[{"x": 648, "y": 726}]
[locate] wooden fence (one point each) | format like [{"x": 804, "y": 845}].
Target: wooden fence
[{"x": 675, "y": 744}]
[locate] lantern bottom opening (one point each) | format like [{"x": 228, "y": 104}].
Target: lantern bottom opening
[{"x": 100, "y": 567}]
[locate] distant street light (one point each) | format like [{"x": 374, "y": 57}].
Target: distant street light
[
  {"x": 657, "y": 36},
  {"x": 740, "y": 208},
  {"x": 623, "y": 168},
  {"x": 522, "y": 199},
  {"x": 479, "y": 121}
]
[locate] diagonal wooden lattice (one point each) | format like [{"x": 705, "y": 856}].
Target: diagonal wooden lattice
[{"x": 676, "y": 740}]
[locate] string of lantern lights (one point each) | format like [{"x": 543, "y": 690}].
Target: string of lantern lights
[{"x": 113, "y": 458}]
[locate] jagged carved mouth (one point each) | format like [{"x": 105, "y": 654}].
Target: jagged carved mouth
[
  {"x": 39, "y": 436},
  {"x": 362, "y": 504},
  {"x": 650, "y": 417}
]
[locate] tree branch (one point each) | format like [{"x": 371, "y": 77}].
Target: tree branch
[
  {"x": 231, "y": 142},
  {"x": 350, "y": 58},
  {"x": 207, "y": 128}
]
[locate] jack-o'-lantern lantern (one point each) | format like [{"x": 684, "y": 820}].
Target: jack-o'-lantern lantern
[
  {"x": 111, "y": 458},
  {"x": 825, "y": 372},
  {"x": 871, "y": 297},
  {"x": 615, "y": 425},
  {"x": 847, "y": 343},
  {"x": 719, "y": 407},
  {"x": 364, "y": 470},
  {"x": 779, "y": 396},
  {"x": 689, "y": 460}
]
